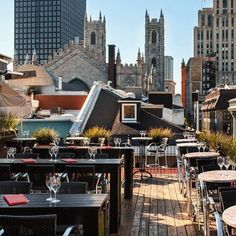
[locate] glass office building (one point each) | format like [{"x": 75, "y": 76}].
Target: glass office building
[{"x": 46, "y": 25}]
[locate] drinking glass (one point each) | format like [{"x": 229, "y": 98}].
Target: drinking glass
[
  {"x": 49, "y": 186},
  {"x": 94, "y": 152},
  {"x": 227, "y": 162},
  {"x": 116, "y": 141},
  {"x": 9, "y": 153},
  {"x": 50, "y": 151},
  {"x": 199, "y": 145},
  {"x": 27, "y": 133},
  {"x": 77, "y": 133},
  {"x": 90, "y": 153},
  {"x": 220, "y": 161},
  {"x": 56, "y": 184},
  {"x": 56, "y": 141},
  {"x": 119, "y": 141},
  {"x": 142, "y": 133},
  {"x": 55, "y": 152},
  {"x": 86, "y": 142}
]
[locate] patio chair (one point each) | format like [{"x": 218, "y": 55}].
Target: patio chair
[
  {"x": 15, "y": 187},
  {"x": 5, "y": 173},
  {"x": 73, "y": 187},
  {"x": 32, "y": 225}
]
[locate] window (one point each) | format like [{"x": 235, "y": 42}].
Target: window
[
  {"x": 154, "y": 37},
  {"x": 93, "y": 38},
  {"x": 129, "y": 112},
  {"x": 154, "y": 62}
]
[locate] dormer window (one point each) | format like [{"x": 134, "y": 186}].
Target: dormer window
[{"x": 129, "y": 112}]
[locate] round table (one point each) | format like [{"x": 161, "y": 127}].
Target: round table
[
  {"x": 186, "y": 140},
  {"x": 186, "y": 144},
  {"x": 218, "y": 176},
  {"x": 142, "y": 165},
  {"x": 202, "y": 155},
  {"x": 76, "y": 138},
  {"x": 229, "y": 216}
]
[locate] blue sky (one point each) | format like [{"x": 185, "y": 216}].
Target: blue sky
[{"x": 125, "y": 26}]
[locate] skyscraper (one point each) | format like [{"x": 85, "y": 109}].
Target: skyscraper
[
  {"x": 215, "y": 35},
  {"x": 168, "y": 68},
  {"x": 46, "y": 25}
]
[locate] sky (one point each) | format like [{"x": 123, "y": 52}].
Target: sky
[{"x": 125, "y": 21}]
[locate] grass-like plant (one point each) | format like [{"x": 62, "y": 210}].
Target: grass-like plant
[
  {"x": 97, "y": 132},
  {"x": 8, "y": 122},
  {"x": 160, "y": 133},
  {"x": 45, "y": 134}
]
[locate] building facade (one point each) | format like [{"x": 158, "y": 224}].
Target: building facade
[
  {"x": 168, "y": 68},
  {"x": 216, "y": 33},
  {"x": 155, "y": 50},
  {"x": 46, "y": 25}
]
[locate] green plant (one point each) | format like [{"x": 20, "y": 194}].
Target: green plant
[
  {"x": 160, "y": 133},
  {"x": 8, "y": 122},
  {"x": 45, "y": 133},
  {"x": 97, "y": 132}
]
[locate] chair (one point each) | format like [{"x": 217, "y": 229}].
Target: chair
[
  {"x": 26, "y": 155},
  {"x": 73, "y": 187},
  {"x": 15, "y": 187},
  {"x": 64, "y": 155},
  {"x": 5, "y": 173},
  {"x": 37, "y": 175},
  {"x": 32, "y": 225}
]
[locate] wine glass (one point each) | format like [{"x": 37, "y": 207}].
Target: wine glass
[
  {"x": 227, "y": 162},
  {"x": 94, "y": 152},
  {"x": 9, "y": 153},
  {"x": 116, "y": 141},
  {"x": 55, "y": 152},
  {"x": 56, "y": 141},
  {"x": 220, "y": 161},
  {"x": 50, "y": 151},
  {"x": 56, "y": 184},
  {"x": 49, "y": 186},
  {"x": 142, "y": 133},
  {"x": 27, "y": 133},
  {"x": 90, "y": 153},
  {"x": 119, "y": 141},
  {"x": 77, "y": 133},
  {"x": 199, "y": 145}
]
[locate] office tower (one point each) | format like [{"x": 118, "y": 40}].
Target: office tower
[
  {"x": 215, "y": 35},
  {"x": 168, "y": 68},
  {"x": 46, "y": 26}
]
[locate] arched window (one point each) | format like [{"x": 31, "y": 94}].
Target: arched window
[
  {"x": 154, "y": 37},
  {"x": 154, "y": 62},
  {"x": 93, "y": 38}
]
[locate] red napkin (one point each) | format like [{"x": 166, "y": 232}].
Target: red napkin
[
  {"x": 69, "y": 160},
  {"x": 28, "y": 161},
  {"x": 15, "y": 199}
]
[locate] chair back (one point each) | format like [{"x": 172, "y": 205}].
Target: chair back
[
  {"x": 64, "y": 155},
  {"x": 228, "y": 198},
  {"x": 29, "y": 225},
  {"x": 73, "y": 187},
  {"x": 205, "y": 162},
  {"x": 5, "y": 173},
  {"x": 37, "y": 175},
  {"x": 82, "y": 173},
  {"x": 15, "y": 187}
]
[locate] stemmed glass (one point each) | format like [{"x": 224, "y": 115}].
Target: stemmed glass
[
  {"x": 220, "y": 161},
  {"x": 90, "y": 153},
  {"x": 199, "y": 145},
  {"x": 56, "y": 184},
  {"x": 227, "y": 162},
  {"x": 142, "y": 133},
  {"x": 119, "y": 141},
  {"x": 50, "y": 151},
  {"x": 55, "y": 152},
  {"x": 116, "y": 141},
  {"x": 94, "y": 152},
  {"x": 11, "y": 151},
  {"x": 86, "y": 142},
  {"x": 56, "y": 141},
  {"x": 27, "y": 133},
  {"x": 49, "y": 186}
]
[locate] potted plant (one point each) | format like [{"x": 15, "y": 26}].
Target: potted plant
[
  {"x": 158, "y": 133},
  {"x": 8, "y": 124},
  {"x": 95, "y": 133},
  {"x": 45, "y": 135}
]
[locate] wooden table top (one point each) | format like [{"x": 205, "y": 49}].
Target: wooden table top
[
  {"x": 229, "y": 216},
  {"x": 218, "y": 176},
  {"x": 201, "y": 155}
]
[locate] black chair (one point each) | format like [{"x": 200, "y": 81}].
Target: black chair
[
  {"x": 73, "y": 187},
  {"x": 15, "y": 187},
  {"x": 204, "y": 162},
  {"x": 64, "y": 155},
  {"x": 37, "y": 175},
  {"x": 82, "y": 173},
  {"x": 5, "y": 172},
  {"x": 33, "y": 225}
]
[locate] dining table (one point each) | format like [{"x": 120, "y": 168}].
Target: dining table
[
  {"x": 214, "y": 176},
  {"x": 90, "y": 210},
  {"x": 229, "y": 216},
  {"x": 186, "y": 140},
  {"x": 124, "y": 152},
  {"x": 111, "y": 166}
]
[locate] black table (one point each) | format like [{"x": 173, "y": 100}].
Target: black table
[
  {"x": 113, "y": 152},
  {"x": 87, "y": 209},
  {"x": 111, "y": 166}
]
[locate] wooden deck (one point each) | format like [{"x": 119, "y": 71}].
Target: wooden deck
[{"x": 157, "y": 208}]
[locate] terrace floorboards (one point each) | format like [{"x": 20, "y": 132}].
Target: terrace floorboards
[{"x": 157, "y": 208}]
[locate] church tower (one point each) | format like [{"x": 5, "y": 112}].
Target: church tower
[
  {"x": 155, "y": 49},
  {"x": 95, "y": 36}
]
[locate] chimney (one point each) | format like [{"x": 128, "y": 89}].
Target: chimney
[
  {"x": 112, "y": 65},
  {"x": 60, "y": 83}
]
